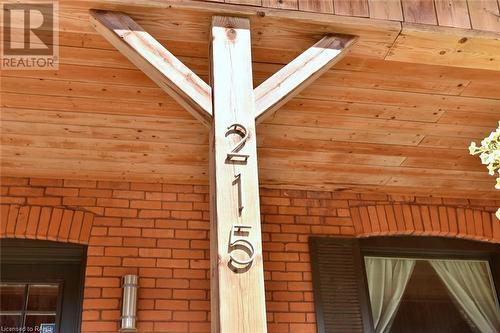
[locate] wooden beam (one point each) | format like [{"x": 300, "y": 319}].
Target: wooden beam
[
  {"x": 237, "y": 283},
  {"x": 299, "y": 73},
  {"x": 144, "y": 51},
  {"x": 338, "y": 22},
  {"x": 425, "y": 44}
]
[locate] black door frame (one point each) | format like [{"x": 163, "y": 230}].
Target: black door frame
[{"x": 40, "y": 261}]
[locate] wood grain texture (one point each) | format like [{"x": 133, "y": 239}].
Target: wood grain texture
[
  {"x": 295, "y": 76},
  {"x": 419, "y": 11},
  {"x": 366, "y": 124},
  {"x": 467, "y": 48},
  {"x": 237, "y": 293},
  {"x": 481, "y": 90},
  {"x": 156, "y": 62},
  {"x": 282, "y": 4},
  {"x": 192, "y": 38},
  {"x": 351, "y": 8},
  {"x": 452, "y": 13},
  {"x": 386, "y": 9},
  {"x": 245, "y": 2},
  {"x": 317, "y": 6},
  {"x": 484, "y": 14},
  {"x": 319, "y": 11}
]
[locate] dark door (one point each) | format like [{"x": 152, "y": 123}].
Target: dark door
[{"x": 41, "y": 286}]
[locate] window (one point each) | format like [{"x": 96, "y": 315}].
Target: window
[
  {"x": 427, "y": 301},
  {"x": 29, "y": 307},
  {"x": 405, "y": 284},
  {"x": 41, "y": 286},
  {"x": 431, "y": 295}
]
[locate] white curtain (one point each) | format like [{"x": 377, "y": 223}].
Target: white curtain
[
  {"x": 470, "y": 284},
  {"x": 387, "y": 280}
]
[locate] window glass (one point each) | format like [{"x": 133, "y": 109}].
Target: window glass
[
  {"x": 42, "y": 297},
  {"x": 12, "y": 297},
  {"x": 39, "y": 309},
  {"x": 34, "y": 322},
  {"x": 420, "y": 295},
  {"x": 10, "y": 322},
  {"x": 428, "y": 305}
]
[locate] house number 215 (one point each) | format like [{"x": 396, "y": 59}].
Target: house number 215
[{"x": 240, "y": 233}]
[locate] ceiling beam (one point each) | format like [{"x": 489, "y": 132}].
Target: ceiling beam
[
  {"x": 210, "y": 8},
  {"x": 431, "y": 45},
  {"x": 299, "y": 73},
  {"x": 161, "y": 66}
]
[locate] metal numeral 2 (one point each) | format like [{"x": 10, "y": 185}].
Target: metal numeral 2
[{"x": 233, "y": 155}]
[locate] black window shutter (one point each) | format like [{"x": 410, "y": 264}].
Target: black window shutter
[{"x": 340, "y": 291}]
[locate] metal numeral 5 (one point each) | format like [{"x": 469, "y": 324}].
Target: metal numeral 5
[{"x": 239, "y": 240}]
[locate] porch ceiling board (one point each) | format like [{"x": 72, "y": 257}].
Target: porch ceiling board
[
  {"x": 365, "y": 124},
  {"x": 283, "y": 34},
  {"x": 447, "y": 46},
  {"x": 279, "y": 37}
]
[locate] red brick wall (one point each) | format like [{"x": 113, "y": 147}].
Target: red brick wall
[{"x": 160, "y": 232}]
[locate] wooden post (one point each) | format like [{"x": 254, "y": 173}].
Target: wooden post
[{"x": 237, "y": 275}]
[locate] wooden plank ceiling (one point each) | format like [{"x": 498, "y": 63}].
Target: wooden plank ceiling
[
  {"x": 467, "y": 14},
  {"x": 367, "y": 124}
]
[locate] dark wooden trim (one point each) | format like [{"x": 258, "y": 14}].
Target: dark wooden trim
[
  {"x": 362, "y": 287},
  {"x": 366, "y": 306},
  {"x": 318, "y": 301},
  {"x": 36, "y": 251},
  {"x": 430, "y": 247},
  {"x": 83, "y": 268},
  {"x": 495, "y": 271}
]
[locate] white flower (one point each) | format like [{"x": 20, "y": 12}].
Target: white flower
[
  {"x": 485, "y": 158},
  {"x": 491, "y": 169},
  {"x": 472, "y": 148},
  {"x": 489, "y": 153}
]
